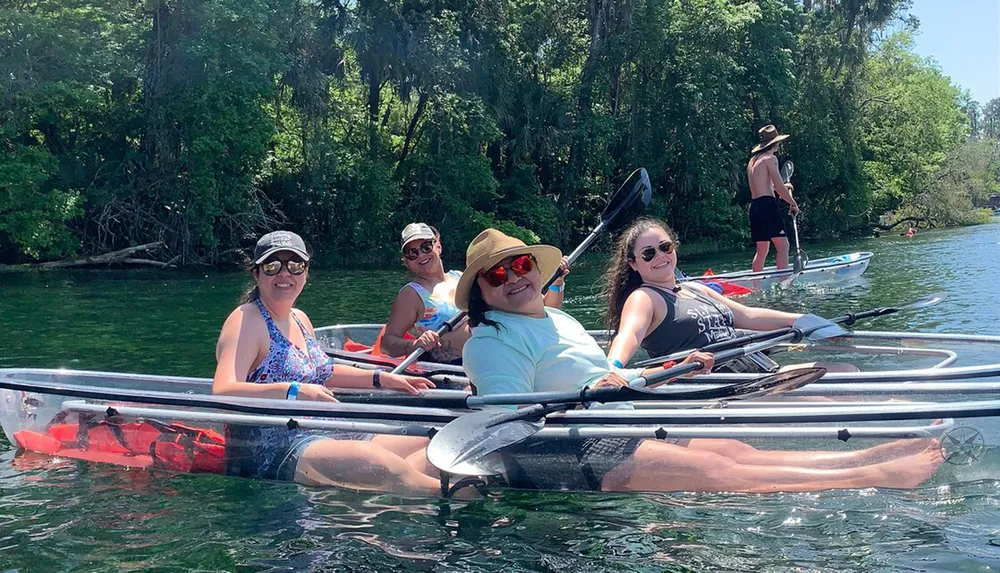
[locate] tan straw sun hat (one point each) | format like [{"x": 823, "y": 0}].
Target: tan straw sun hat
[
  {"x": 768, "y": 136},
  {"x": 492, "y": 246}
]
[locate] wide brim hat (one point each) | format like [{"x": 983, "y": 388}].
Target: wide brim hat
[
  {"x": 768, "y": 136},
  {"x": 492, "y": 246}
]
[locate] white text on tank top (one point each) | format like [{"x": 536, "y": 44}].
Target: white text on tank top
[{"x": 711, "y": 321}]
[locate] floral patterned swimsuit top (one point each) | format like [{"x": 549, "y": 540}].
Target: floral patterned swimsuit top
[{"x": 285, "y": 362}]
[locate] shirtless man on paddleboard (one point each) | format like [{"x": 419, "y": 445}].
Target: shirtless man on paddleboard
[{"x": 766, "y": 224}]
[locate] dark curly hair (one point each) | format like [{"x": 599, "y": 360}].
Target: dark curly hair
[{"x": 620, "y": 279}]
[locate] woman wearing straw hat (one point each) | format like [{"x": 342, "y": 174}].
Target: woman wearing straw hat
[
  {"x": 428, "y": 301},
  {"x": 766, "y": 225},
  {"x": 518, "y": 345}
]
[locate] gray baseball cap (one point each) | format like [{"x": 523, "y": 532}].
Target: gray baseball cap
[
  {"x": 415, "y": 231},
  {"x": 279, "y": 241}
]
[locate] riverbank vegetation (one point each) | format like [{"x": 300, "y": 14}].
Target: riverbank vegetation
[{"x": 202, "y": 123}]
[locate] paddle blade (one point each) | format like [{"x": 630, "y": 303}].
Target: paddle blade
[
  {"x": 787, "y": 169},
  {"x": 629, "y": 200},
  {"x": 817, "y": 328},
  {"x": 797, "y": 263},
  {"x": 779, "y": 383},
  {"x": 929, "y": 300},
  {"x": 764, "y": 386},
  {"x": 467, "y": 444}
]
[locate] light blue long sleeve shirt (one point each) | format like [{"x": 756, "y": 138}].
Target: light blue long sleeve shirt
[{"x": 531, "y": 354}]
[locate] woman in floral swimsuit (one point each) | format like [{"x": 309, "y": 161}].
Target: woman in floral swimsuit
[{"x": 268, "y": 349}]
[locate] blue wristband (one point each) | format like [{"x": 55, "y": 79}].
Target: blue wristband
[
  {"x": 555, "y": 288},
  {"x": 617, "y": 364},
  {"x": 293, "y": 391}
]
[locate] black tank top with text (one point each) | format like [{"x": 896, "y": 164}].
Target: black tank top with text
[{"x": 689, "y": 323}]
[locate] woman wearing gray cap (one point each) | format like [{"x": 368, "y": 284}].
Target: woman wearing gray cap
[
  {"x": 426, "y": 303},
  {"x": 268, "y": 349}
]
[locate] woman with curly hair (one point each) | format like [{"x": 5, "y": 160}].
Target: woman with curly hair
[{"x": 648, "y": 308}]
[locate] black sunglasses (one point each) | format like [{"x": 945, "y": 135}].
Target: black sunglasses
[
  {"x": 649, "y": 253},
  {"x": 413, "y": 252},
  {"x": 294, "y": 266}
]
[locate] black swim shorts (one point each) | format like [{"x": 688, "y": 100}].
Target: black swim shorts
[{"x": 765, "y": 219}]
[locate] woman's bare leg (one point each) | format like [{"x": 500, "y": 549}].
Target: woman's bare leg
[
  {"x": 658, "y": 466},
  {"x": 361, "y": 465},
  {"x": 746, "y": 454},
  {"x": 419, "y": 461},
  {"x": 402, "y": 446}
]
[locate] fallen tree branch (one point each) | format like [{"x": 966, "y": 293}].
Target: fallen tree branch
[
  {"x": 121, "y": 255},
  {"x": 147, "y": 262}
]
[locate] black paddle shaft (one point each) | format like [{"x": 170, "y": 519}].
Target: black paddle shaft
[{"x": 633, "y": 196}]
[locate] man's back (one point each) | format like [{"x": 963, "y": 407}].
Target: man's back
[{"x": 761, "y": 172}]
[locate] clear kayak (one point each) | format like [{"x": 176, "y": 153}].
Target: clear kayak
[
  {"x": 881, "y": 356},
  {"x": 841, "y": 267},
  {"x": 175, "y": 424}
]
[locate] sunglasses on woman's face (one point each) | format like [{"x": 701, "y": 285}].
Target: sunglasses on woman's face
[
  {"x": 497, "y": 275},
  {"x": 412, "y": 253},
  {"x": 294, "y": 266},
  {"x": 649, "y": 253}
]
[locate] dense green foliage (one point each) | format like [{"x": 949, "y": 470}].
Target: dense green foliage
[{"x": 202, "y": 123}]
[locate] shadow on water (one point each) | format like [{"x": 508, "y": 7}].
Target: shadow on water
[{"x": 59, "y": 515}]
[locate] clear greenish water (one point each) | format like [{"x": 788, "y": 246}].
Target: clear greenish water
[{"x": 74, "y": 516}]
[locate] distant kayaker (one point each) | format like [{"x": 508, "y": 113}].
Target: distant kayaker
[
  {"x": 766, "y": 224},
  {"x": 425, "y": 304},
  {"x": 647, "y": 307},
  {"x": 268, "y": 349},
  {"x": 519, "y": 345}
]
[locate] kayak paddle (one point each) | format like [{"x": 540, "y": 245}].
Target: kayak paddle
[
  {"x": 800, "y": 259},
  {"x": 462, "y": 440},
  {"x": 629, "y": 200},
  {"x": 808, "y": 326},
  {"x": 468, "y": 444}
]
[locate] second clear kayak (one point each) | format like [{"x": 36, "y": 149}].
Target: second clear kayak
[{"x": 848, "y": 266}]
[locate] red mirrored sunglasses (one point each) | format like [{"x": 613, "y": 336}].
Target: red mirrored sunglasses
[{"x": 497, "y": 275}]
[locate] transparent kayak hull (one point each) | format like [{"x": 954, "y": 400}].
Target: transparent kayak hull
[
  {"x": 41, "y": 411},
  {"x": 828, "y": 269}
]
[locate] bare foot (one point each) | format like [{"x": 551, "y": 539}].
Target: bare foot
[
  {"x": 896, "y": 449},
  {"x": 899, "y": 448},
  {"x": 914, "y": 470}
]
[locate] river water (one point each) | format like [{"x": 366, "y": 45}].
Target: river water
[{"x": 74, "y": 516}]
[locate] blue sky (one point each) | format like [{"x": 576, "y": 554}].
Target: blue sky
[{"x": 963, "y": 36}]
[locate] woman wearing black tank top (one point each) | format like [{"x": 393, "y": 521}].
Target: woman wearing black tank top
[{"x": 647, "y": 307}]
